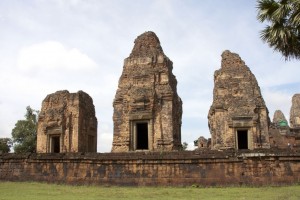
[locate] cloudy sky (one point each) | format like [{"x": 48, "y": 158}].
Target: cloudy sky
[{"x": 51, "y": 45}]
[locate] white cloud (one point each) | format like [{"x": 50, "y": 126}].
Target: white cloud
[
  {"x": 191, "y": 146},
  {"x": 278, "y": 100},
  {"x": 53, "y": 55},
  {"x": 104, "y": 141}
]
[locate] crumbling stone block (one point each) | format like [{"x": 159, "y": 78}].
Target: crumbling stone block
[
  {"x": 295, "y": 112},
  {"x": 67, "y": 123},
  {"x": 202, "y": 143}
]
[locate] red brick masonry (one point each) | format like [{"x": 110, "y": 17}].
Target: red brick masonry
[{"x": 206, "y": 168}]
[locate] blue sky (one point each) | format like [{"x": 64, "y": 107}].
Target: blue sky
[{"x": 50, "y": 45}]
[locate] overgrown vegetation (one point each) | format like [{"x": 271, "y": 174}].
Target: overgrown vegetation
[
  {"x": 24, "y": 133},
  {"x": 184, "y": 146},
  {"x": 283, "y": 32},
  {"x": 5, "y": 144},
  {"x": 24, "y": 191}
]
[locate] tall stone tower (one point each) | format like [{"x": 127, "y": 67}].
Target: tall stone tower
[
  {"x": 147, "y": 108},
  {"x": 67, "y": 123},
  {"x": 238, "y": 117}
]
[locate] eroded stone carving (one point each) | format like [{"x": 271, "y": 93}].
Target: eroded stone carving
[
  {"x": 202, "y": 143},
  {"x": 147, "y": 108},
  {"x": 238, "y": 117},
  {"x": 67, "y": 123},
  {"x": 295, "y": 112},
  {"x": 279, "y": 119},
  {"x": 280, "y": 135}
]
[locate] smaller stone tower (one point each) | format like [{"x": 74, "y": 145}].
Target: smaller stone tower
[
  {"x": 279, "y": 130},
  {"x": 67, "y": 123},
  {"x": 279, "y": 119},
  {"x": 238, "y": 117}
]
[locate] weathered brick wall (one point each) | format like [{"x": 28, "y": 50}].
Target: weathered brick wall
[{"x": 207, "y": 168}]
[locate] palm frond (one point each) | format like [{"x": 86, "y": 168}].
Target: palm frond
[
  {"x": 266, "y": 9},
  {"x": 283, "y": 33},
  {"x": 283, "y": 11}
]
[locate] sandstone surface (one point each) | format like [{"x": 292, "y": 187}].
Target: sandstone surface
[
  {"x": 279, "y": 118},
  {"x": 295, "y": 112},
  {"x": 187, "y": 168},
  {"x": 238, "y": 117},
  {"x": 67, "y": 123},
  {"x": 147, "y": 108}
]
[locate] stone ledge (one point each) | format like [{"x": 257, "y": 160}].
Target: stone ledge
[{"x": 175, "y": 155}]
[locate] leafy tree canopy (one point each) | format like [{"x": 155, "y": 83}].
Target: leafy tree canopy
[
  {"x": 5, "y": 144},
  {"x": 283, "y": 32},
  {"x": 184, "y": 146},
  {"x": 24, "y": 133}
]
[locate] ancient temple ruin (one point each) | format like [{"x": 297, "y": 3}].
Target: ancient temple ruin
[
  {"x": 295, "y": 121},
  {"x": 295, "y": 112},
  {"x": 238, "y": 117},
  {"x": 203, "y": 143},
  {"x": 67, "y": 123},
  {"x": 280, "y": 134},
  {"x": 147, "y": 108},
  {"x": 280, "y": 124},
  {"x": 279, "y": 119}
]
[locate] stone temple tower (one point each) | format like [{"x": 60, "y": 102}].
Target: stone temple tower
[
  {"x": 295, "y": 112},
  {"x": 147, "y": 108},
  {"x": 67, "y": 123},
  {"x": 238, "y": 117}
]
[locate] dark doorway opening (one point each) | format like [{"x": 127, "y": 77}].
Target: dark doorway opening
[
  {"x": 242, "y": 136},
  {"x": 142, "y": 135},
  {"x": 90, "y": 143},
  {"x": 56, "y": 144}
]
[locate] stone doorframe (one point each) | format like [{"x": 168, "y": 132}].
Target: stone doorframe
[
  {"x": 249, "y": 137},
  {"x": 133, "y": 134},
  {"x": 243, "y": 123},
  {"x": 51, "y": 133}
]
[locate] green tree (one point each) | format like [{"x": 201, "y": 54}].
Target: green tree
[
  {"x": 283, "y": 32},
  {"x": 184, "y": 146},
  {"x": 5, "y": 144},
  {"x": 24, "y": 133}
]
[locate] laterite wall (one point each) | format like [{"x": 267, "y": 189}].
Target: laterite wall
[{"x": 206, "y": 168}]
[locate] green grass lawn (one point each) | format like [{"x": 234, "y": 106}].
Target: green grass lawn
[{"x": 31, "y": 191}]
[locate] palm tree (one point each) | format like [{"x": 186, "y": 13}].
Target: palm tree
[{"x": 283, "y": 33}]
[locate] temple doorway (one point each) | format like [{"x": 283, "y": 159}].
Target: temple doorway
[
  {"x": 242, "y": 138},
  {"x": 142, "y": 136},
  {"x": 55, "y": 144}
]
